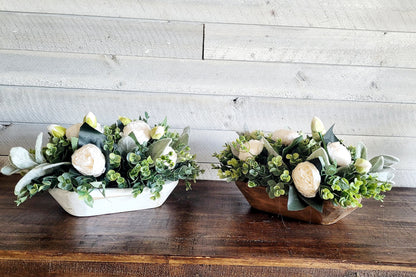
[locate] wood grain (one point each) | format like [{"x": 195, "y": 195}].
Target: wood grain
[
  {"x": 206, "y": 111},
  {"x": 308, "y": 45},
  {"x": 100, "y": 35},
  {"x": 238, "y": 78},
  {"x": 210, "y": 231},
  {"x": 399, "y": 15}
]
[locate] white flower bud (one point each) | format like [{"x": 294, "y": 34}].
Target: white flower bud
[
  {"x": 172, "y": 156},
  {"x": 89, "y": 160},
  {"x": 157, "y": 132},
  {"x": 362, "y": 166},
  {"x": 91, "y": 119},
  {"x": 252, "y": 148},
  {"x": 140, "y": 129},
  {"x": 124, "y": 120},
  {"x": 56, "y": 130},
  {"x": 286, "y": 136},
  {"x": 307, "y": 179},
  {"x": 339, "y": 153},
  {"x": 317, "y": 127}
]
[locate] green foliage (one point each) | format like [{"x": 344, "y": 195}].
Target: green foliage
[
  {"x": 129, "y": 164},
  {"x": 272, "y": 169}
]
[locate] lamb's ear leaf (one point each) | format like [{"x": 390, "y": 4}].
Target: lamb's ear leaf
[
  {"x": 361, "y": 151},
  {"x": 183, "y": 140},
  {"x": 9, "y": 170},
  {"x": 38, "y": 171},
  {"x": 126, "y": 145},
  {"x": 21, "y": 158},
  {"x": 38, "y": 149},
  {"x": 320, "y": 152},
  {"x": 157, "y": 148},
  {"x": 377, "y": 163},
  {"x": 269, "y": 148}
]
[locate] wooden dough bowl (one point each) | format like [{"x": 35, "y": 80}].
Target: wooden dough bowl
[{"x": 257, "y": 197}]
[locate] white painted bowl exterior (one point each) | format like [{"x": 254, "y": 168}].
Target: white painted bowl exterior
[{"x": 115, "y": 201}]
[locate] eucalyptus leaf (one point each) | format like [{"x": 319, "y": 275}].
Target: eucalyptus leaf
[
  {"x": 21, "y": 158},
  {"x": 269, "y": 148},
  {"x": 294, "y": 203},
  {"x": 329, "y": 136},
  {"x": 377, "y": 163},
  {"x": 38, "y": 149},
  {"x": 87, "y": 135},
  {"x": 126, "y": 145},
  {"x": 320, "y": 152},
  {"x": 38, "y": 171},
  {"x": 361, "y": 151},
  {"x": 157, "y": 148}
]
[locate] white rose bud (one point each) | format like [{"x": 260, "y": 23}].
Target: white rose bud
[
  {"x": 140, "y": 129},
  {"x": 286, "y": 136},
  {"x": 362, "y": 165},
  {"x": 317, "y": 127},
  {"x": 254, "y": 148},
  {"x": 56, "y": 130},
  {"x": 157, "y": 132},
  {"x": 173, "y": 156},
  {"x": 307, "y": 179},
  {"x": 91, "y": 119},
  {"x": 124, "y": 120},
  {"x": 89, "y": 160},
  {"x": 339, "y": 153}
]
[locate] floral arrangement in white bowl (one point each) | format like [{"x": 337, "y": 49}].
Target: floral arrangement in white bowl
[
  {"x": 92, "y": 169},
  {"x": 313, "y": 177}
]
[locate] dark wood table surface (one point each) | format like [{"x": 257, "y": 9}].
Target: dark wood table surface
[{"x": 209, "y": 231}]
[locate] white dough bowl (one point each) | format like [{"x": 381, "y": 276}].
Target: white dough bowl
[{"x": 115, "y": 201}]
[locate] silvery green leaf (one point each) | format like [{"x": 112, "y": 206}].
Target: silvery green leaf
[
  {"x": 378, "y": 164},
  {"x": 385, "y": 175},
  {"x": 361, "y": 151},
  {"x": 126, "y": 145},
  {"x": 320, "y": 152},
  {"x": 269, "y": 148},
  {"x": 183, "y": 139},
  {"x": 38, "y": 171},
  {"x": 9, "y": 170},
  {"x": 21, "y": 158},
  {"x": 390, "y": 160},
  {"x": 157, "y": 148},
  {"x": 38, "y": 149}
]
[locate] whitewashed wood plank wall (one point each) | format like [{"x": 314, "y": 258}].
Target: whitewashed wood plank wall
[{"x": 216, "y": 66}]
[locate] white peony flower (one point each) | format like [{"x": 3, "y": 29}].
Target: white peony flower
[
  {"x": 89, "y": 160},
  {"x": 172, "y": 156},
  {"x": 157, "y": 132},
  {"x": 307, "y": 179},
  {"x": 56, "y": 130},
  {"x": 140, "y": 129},
  {"x": 287, "y": 136},
  {"x": 339, "y": 153},
  {"x": 362, "y": 165},
  {"x": 317, "y": 127},
  {"x": 253, "y": 148}
]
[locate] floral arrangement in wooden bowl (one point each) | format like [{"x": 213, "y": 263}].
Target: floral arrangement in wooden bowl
[
  {"x": 93, "y": 170},
  {"x": 313, "y": 178}
]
